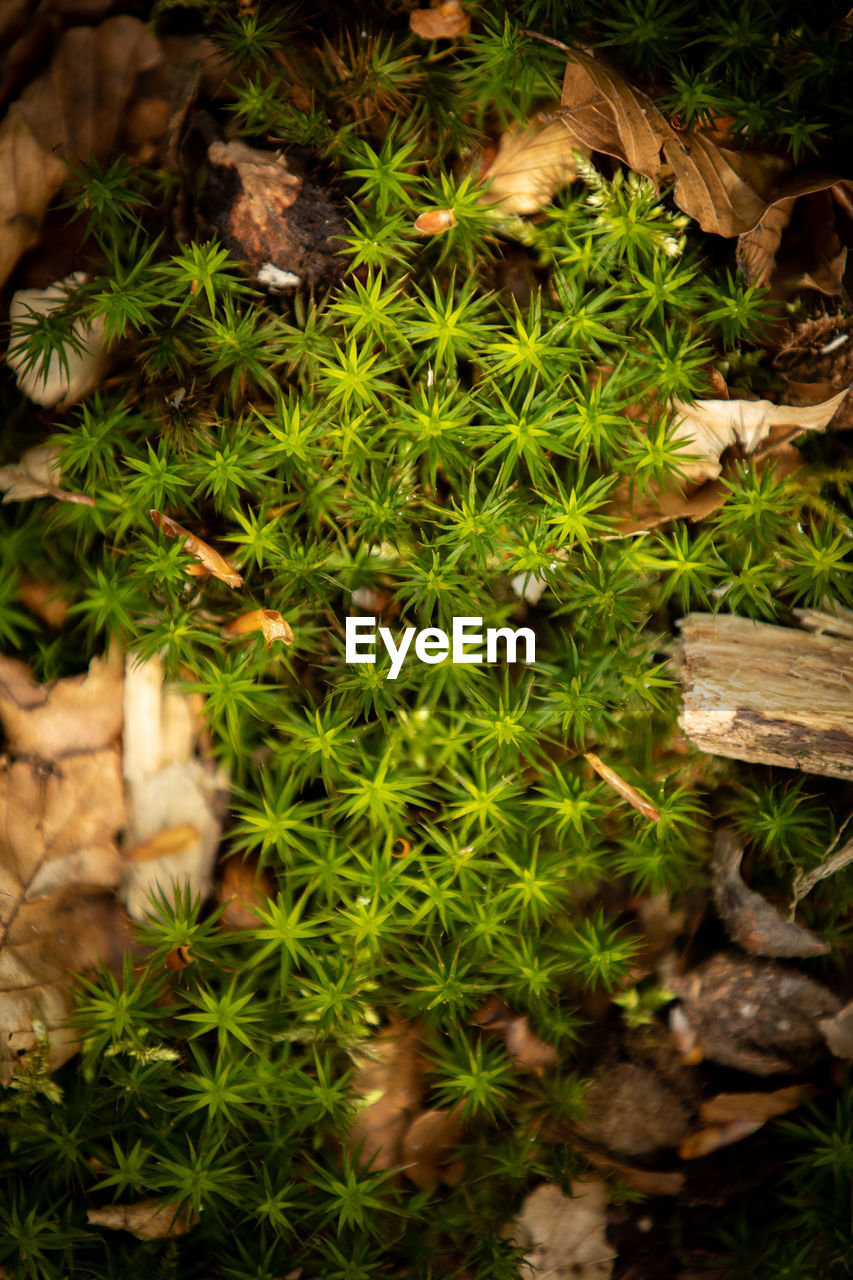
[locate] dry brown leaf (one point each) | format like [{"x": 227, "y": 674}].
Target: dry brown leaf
[
  {"x": 731, "y": 1117},
  {"x": 209, "y": 557},
  {"x": 565, "y": 1235},
  {"x": 726, "y": 191},
  {"x": 43, "y": 599},
  {"x": 445, "y": 20},
  {"x": 37, "y": 475},
  {"x": 61, "y": 807},
  {"x": 70, "y": 113},
  {"x": 243, "y": 888},
  {"x": 32, "y": 176},
  {"x": 623, "y": 788},
  {"x": 268, "y": 621},
  {"x": 433, "y": 221},
  {"x": 147, "y": 1220},
  {"x": 757, "y": 249},
  {"x": 427, "y": 1147},
  {"x": 750, "y": 920},
  {"x": 388, "y": 1080},
  {"x": 651, "y": 1182},
  {"x": 532, "y": 163}
]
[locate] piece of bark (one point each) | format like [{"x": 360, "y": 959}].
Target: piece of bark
[
  {"x": 750, "y": 920},
  {"x": 772, "y": 695}
]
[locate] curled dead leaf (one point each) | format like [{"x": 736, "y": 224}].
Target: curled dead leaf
[
  {"x": 433, "y": 221},
  {"x": 268, "y": 621},
  {"x": 37, "y": 475},
  {"x": 532, "y": 163},
  {"x": 445, "y": 20},
  {"x": 730, "y": 1117},
  {"x": 210, "y": 559},
  {"x": 147, "y": 1220},
  {"x": 623, "y": 788}
]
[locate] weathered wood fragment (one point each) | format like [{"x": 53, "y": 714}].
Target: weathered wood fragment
[{"x": 773, "y": 695}]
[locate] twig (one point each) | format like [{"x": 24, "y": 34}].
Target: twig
[{"x": 805, "y": 882}]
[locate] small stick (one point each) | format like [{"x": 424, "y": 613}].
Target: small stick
[
  {"x": 625, "y": 790},
  {"x": 805, "y": 882}
]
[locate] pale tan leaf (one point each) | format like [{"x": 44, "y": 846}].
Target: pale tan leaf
[
  {"x": 532, "y": 163},
  {"x": 838, "y": 1032},
  {"x": 445, "y": 20},
  {"x": 708, "y": 427},
  {"x": 61, "y": 807},
  {"x": 209, "y": 557},
  {"x": 427, "y": 1146},
  {"x": 82, "y": 368},
  {"x": 565, "y": 1235},
  {"x": 147, "y": 1220},
  {"x": 37, "y": 475}
]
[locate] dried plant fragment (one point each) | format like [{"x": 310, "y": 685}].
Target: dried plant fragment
[
  {"x": 427, "y": 1148},
  {"x": 753, "y": 1014},
  {"x": 211, "y": 561},
  {"x": 709, "y": 427},
  {"x": 37, "y": 475},
  {"x": 532, "y": 163},
  {"x": 68, "y": 377},
  {"x": 726, "y": 191},
  {"x": 445, "y": 20},
  {"x": 242, "y": 890},
  {"x": 388, "y": 1080},
  {"x": 749, "y": 919},
  {"x": 268, "y": 621},
  {"x": 147, "y": 1220},
  {"x": 61, "y": 807},
  {"x": 623, "y": 788},
  {"x": 838, "y": 1032},
  {"x": 730, "y": 1117},
  {"x": 564, "y": 1235}
]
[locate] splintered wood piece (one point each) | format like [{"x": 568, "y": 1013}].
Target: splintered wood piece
[{"x": 772, "y": 695}]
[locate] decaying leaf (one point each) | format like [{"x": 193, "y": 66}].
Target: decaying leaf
[
  {"x": 147, "y": 1220},
  {"x": 433, "y": 221},
  {"x": 388, "y": 1080},
  {"x": 64, "y": 381},
  {"x": 650, "y": 1182},
  {"x": 445, "y": 20},
  {"x": 61, "y": 807},
  {"x": 210, "y": 559},
  {"x": 823, "y": 265},
  {"x": 630, "y": 1111},
  {"x": 427, "y": 1148},
  {"x": 725, "y": 191},
  {"x": 242, "y": 889},
  {"x": 565, "y": 1235},
  {"x": 527, "y": 1050},
  {"x": 173, "y": 824},
  {"x": 268, "y": 621},
  {"x": 37, "y": 475},
  {"x": 622, "y": 788},
  {"x": 750, "y": 920},
  {"x": 70, "y": 113},
  {"x": 753, "y": 1014},
  {"x": 532, "y": 163},
  {"x": 709, "y": 427},
  {"x": 730, "y": 1117}
]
